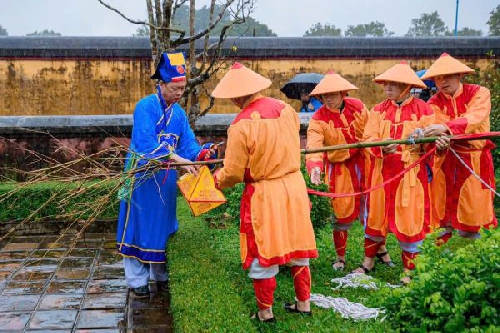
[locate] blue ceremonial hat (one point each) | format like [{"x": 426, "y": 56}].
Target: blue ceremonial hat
[{"x": 171, "y": 68}]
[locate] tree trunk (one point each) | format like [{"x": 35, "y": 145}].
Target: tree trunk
[{"x": 194, "y": 93}]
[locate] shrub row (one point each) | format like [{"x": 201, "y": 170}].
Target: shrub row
[
  {"x": 57, "y": 201},
  {"x": 453, "y": 291}
]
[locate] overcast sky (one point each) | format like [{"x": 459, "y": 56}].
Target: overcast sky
[{"x": 287, "y": 18}]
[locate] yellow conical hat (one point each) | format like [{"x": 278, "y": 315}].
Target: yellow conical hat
[
  {"x": 400, "y": 73},
  {"x": 446, "y": 65},
  {"x": 331, "y": 83},
  {"x": 240, "y": 81}
]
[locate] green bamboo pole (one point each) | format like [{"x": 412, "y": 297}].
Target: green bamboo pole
[
  {"x": 369, "y": 144},
  {"x": 353, "y": 145}
]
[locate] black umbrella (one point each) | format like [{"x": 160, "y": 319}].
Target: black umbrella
[{"x": 304, "y": 82}]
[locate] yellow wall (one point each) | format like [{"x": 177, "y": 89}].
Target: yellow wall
[
  {"x": 72, "y": 87},
  {"x": 84, "y": 87}
]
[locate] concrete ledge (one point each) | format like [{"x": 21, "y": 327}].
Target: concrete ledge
[
  {"x": 31, "y": 47},
  {"x": 84, "y": 126}
]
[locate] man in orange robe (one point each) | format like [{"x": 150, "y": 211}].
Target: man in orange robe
[
  {"x": 459, "y": 200},
  {"x": 341, "y": 120},
  {"x": 400, "y": 206},
  {"x": 263, "y": 151}
]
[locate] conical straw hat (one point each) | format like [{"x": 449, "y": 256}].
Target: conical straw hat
[
  {"x": 446, "y": 65},
  {"x": 400, "y": 73},
  {"x": 240, "y": 81},
  {"x": 331, "y": 83}
]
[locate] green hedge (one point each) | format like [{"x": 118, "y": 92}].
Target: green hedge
[
  {"x": 58, "y": 201},
  {"x": 453, "y": 291}
]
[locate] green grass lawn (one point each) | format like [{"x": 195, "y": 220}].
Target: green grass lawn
[{"x": 211, "y": 292}]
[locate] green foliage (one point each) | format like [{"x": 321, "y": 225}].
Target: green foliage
[
  {"x": 321, "y": 211},
  {"x": 427, "y": 25},
  {"x": 250, "y": 27},
  {"x": 465, "y": 32},
  {"x": 142, "y": 31},
  {"x": 44, "y": 32},
  {"x": 494, "y": 21},
  {"x": 57, "y": 201},
  {"x": 319, "y": 29},
  {"x": 229, "y": 213},
  {"x": 3, "y": 31},
  {"x": 452, "y": 291},
  {"x": 372, "y": 29}
]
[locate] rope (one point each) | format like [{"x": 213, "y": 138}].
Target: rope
[
  {"x": 473, "y": 172},
  {"x": 413, "y": 139},
  {"x": 417, "y": 134},
  {"x": 376, "y": 187}
]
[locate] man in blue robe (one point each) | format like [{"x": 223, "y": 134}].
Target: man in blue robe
[{"x": 147, "y": 218}]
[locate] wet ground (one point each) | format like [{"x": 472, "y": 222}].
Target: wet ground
[{"x": 54, "y": 283}]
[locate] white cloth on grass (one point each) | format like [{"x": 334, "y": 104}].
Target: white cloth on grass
[{"x": 346, "y": 309}]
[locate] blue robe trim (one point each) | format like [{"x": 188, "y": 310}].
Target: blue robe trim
[
  {"x": 147, "y": 215},
  {"x": 141, "y": 254}
]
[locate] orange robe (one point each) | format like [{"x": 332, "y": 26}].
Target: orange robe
[
  {"x": 400, "y": 207},
  {"x": 263, "y": 150},
  {"x": 345, "y": 169},
  {"x": 458, "y": 196}
]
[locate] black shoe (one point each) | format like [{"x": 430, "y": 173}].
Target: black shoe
[
  {"x": 381, "y": 256},
  {"x": 161, "y": 286},
  {"x": 141, "y": 292},
  {"x": 256, "y": 316},
  {"x": 292, "y": 308}
]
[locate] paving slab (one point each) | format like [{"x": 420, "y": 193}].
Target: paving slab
[
  {"x": 66, "y": 287},
  {"x": 54, "y": 319},
  {"x": 55, "y": 283},
  {"x": 108, "y": 318}
]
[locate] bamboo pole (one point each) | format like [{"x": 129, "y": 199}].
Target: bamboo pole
[{"x": 431, "y": 139}]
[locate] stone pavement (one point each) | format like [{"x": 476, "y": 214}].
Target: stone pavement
[{"x": 52, "y": 283}]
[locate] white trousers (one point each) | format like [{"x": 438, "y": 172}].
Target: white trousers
[
  {"x": 137, "y": 273},
  {"x": 256, "y": 271}
]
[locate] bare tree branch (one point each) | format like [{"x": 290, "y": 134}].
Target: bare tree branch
[
  {"x": 151, "y": 26},
  {"x": 155, "y": 47},
  {"x": 177, "y": 5},
  {"x": 159, "y": 21},
  {"x": 207, "y": 37},
  {"x": 210, "y": 27},
  {"x": 207, "y": 62},
  {"x": 167, "y": 21}
]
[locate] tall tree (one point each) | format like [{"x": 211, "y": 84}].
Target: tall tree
[
  {"x": 319, "y": 29},
  {"x": 251, "y": 27},
  {"x": 466, "y": 32},
  {"x": 494, "y": 22},
  {"x": 246, "y": 28},
  {"x": 44, "y": 32},
  {"x": 3, "y": 31},
  {"x": 372, "y": 29},
  {"x": 427, "y": 25},
  {"x": 165, "y": 35}
]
